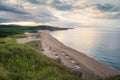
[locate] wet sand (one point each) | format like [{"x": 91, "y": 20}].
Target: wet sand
[{"x": 90, "y": 67}]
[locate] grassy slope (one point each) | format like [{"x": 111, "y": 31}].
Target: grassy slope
[
  {"x": 35, "y": 44},
  {"x": 21, "y": 62}
]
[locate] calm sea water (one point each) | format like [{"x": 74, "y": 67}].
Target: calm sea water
[{"x": 99, "y": 43}]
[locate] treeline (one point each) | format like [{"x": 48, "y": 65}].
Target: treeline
[{"x": 10, "y": 30}]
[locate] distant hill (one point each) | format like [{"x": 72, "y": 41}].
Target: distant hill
[
  {"x": 10, "y": 30},
  {"x": 33, "y": 28}
]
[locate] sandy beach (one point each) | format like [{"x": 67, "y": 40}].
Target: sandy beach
[
  {"x": 72, "y": 58},
  {"x": 90, "y": 67}
]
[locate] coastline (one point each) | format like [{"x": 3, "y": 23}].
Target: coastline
[{"x": 74, "y": 59}]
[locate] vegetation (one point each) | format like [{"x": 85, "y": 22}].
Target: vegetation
[
  {"x": 4, "y": 32},
  {"x": 22, "y": 62},
  {"x": 35, "y": 44},
  {"x": 17, "y": 31},
  {"x": 114, "y": 78}
]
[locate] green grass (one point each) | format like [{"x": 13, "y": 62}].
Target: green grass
[
  {"x": 22, "y": 62},
  {"x": 114, "y": 78},
  {"x": 35, "y": 44}
]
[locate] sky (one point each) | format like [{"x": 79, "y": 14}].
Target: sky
[{"x": 63, "y": 13}]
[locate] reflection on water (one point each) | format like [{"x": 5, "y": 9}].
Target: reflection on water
[{"x": 102, "y": 44}]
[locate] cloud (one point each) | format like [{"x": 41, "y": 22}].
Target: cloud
[
  {"x": 38, "y": 2},
  {"x": 3, "y": 20},
  {"x": 108, "y": 7},
  {"x": 117, "y": 16},
  {"x": 113, "y": 16},
  {"x": 61, "y": 12},
  {"x": 61, "y": 5},
  {"x": 56, "y": 4},
  {"x": 42, "y": 16},
  {"x": 32, "y": 12},
  {"x": 12, "y": 17},
  {"x": 7, "y": 8},
  {"x": 108, "y": 11},
  {"x": 34, "y": 1},
  {"x": 45, "y": 17}
]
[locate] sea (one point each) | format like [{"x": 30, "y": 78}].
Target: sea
[{"x": 102, "y": 44}]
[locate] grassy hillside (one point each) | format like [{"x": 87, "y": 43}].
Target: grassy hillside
[
  {"x": 35, "y": 44},
  {"x": 21, "y": 62}
]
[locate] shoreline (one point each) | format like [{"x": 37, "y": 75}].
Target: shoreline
[{"x": 72, "y": 58}]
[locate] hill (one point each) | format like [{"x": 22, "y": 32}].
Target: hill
[
  {"x": 10, "y": 30},
  {"x": 22, "y": 62}
]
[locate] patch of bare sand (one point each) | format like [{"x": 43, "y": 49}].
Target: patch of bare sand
[{"x": 26, "y": 39}]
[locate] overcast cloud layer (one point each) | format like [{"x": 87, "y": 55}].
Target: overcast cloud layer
[{"x": 61, "y": 12}]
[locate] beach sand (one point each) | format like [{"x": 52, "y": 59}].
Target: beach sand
[{"x": 90, "y": 67}]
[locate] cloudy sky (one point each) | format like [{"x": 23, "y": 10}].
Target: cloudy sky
[{"x": 68, "y": 13}]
